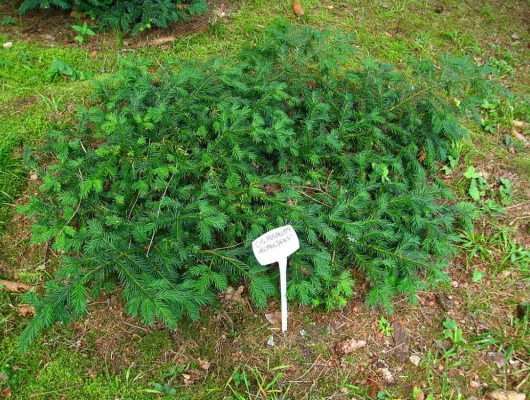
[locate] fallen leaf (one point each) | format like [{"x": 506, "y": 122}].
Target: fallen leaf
[
  {"x": 426, "y": 299},
  {"x": 162, "y": 40},
  {"x": 497, "y": 358},
  {"x": 5, "y": 392},
  {"x": 373, "y": 389},
  {"x": 384, "y": 371},
  {"x": 506, "y": 395},
  {"x": 205, "y": 365},
  {"x": 14, "y": 287},
  {"x": 232, "y": 295},
  {"x": 474, "y": 383},
  {"x": 3, "y": 377},
  {"x": 274, "y": 318},
  {"x": 297, "y": 8},
  {"x": 515, "y": 36},
  {"x": 349, "y": 346},
  {"x": 415, "y": 359},
  {"x": 519, "y": 124},
  {"x": 187, "y": 379},
  {"x": 25, "y": 310}
]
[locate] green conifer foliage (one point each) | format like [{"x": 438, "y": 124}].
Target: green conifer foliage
[{"x": 165, "y": 182}]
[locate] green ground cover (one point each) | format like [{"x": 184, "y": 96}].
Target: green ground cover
[{"x": 226, "y": 355}]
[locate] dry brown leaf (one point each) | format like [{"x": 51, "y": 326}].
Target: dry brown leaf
[
  {"x": 25, "y": 310},
  {"x": 421, "y": 155},
  {"x": 349, "y": 346},
  {"x": 232, "y": 295},
  {"x": 274, "y": 318},
  {"x": 519, "y": 124},
  {"x": 426, "y": 299},
  {"x": 384, "y": 371},
  {"x": 14, "y": 287},
  {"x": 506, "y": 395},
  {"x": 373, "y": 388},
  {"x": 162, "y": 40},
  {"x": 5, "y": 392},
  {"x": 415, "y": 359},
  {"x": 187, "y": 379},
  {"x": 497, "y": 358},
  {"x": 297, "y": 8},
  {"x": 205, "y": 365}
]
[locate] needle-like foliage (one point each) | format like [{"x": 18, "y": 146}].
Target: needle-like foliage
[{"x": 165, "y": 182}]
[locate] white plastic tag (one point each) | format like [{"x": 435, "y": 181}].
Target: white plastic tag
[{"x": 276, "y": 246}]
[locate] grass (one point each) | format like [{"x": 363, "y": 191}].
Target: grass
[{"x": 109, "y": 355}]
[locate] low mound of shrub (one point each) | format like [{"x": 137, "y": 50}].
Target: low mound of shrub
[
  {"x": 165, "y": 182},
  {"x": 130, "y": 15}
]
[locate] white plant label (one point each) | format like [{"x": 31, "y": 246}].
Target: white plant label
[{"x": 276, "y": 246}]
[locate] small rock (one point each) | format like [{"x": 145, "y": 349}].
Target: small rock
[
  {"x": 415, "y": 359},
  {"x": 506, "y": 395},
  {"x": 7, "y": 45}
]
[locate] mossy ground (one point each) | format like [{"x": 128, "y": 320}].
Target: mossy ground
[{"x": 110, "y": 355}]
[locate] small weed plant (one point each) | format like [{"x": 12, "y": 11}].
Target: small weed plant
[
  {"x": 82, "y": 32},
  {"x": 165, "y": 182},
  {"x": 384, "y": 327},
  {"x": 60, "y": 68}
]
